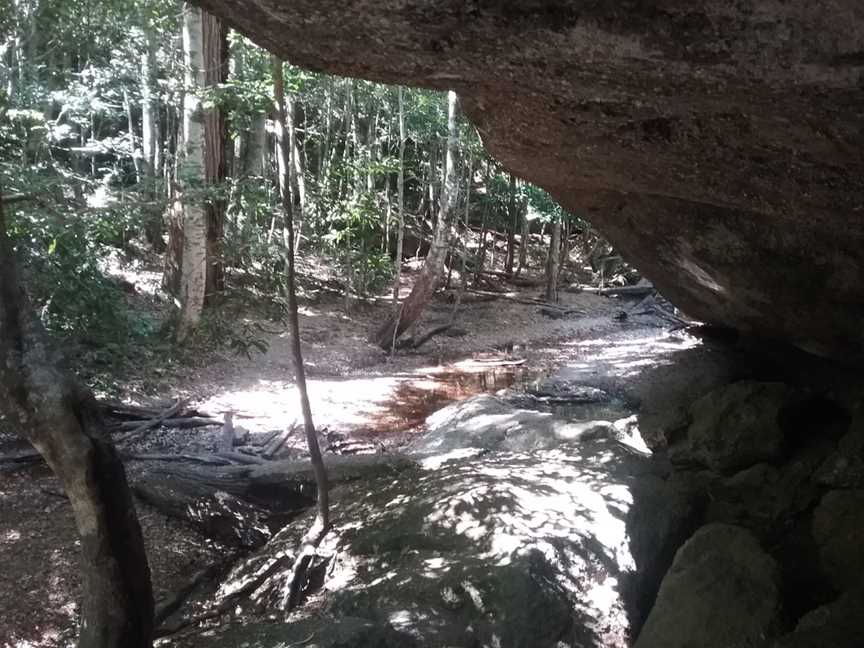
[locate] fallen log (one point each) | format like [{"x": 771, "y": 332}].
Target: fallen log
[
  {"x": 207, "y": 460},
  {"x": 416, "y": 343},
  {"x": 245, "y": 505},
  {"x": 240, "y": 458},
  {"x": 21, "y": 457},
  {"x": 136, "y": 428},
  {"x": 611, "y": 292},
  {"x": 278, "y": 440},
  {"x": 186, "y": 422},
  {"x": 522, "y": 282}
]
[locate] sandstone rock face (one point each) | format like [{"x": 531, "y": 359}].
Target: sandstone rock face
[
  {"x": 721, "y": 591},
  {"x": 717, "y": 145}
]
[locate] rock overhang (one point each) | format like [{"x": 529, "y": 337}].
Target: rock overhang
[{"x": 719, "y": 146}]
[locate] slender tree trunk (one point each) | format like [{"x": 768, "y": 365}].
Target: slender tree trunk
[
  {"x": 133, "y": 141},
  {"x": 433, "y": 267},
  {"x": 194, "y": 264},
  {"x": 511, "y": 228},
  {"x": 322, "y": 523},
  {"x": 463, "y": 269},
  {"x": 481, "y": 253},
  {"x": 150, "y": 143},
  {"x": 298, "y": 170},
  {"x": 524, "y": 236},
  {"x": 400, "y": 206},
  {"x": 215, "y": 60},
  {"x": 62, "y": 421},
  {"x": 552, "y": 260}
]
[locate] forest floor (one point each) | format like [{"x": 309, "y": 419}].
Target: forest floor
[{"x": 362, "y": 399}]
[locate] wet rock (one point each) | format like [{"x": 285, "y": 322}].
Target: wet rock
[
  {"x": 490, "y": 422},
  {"x": 667, "y": 391},
  {"x": 484, "y": 549},
  {"x": 738, "y": 425},
  {"x": 766, "y": 499},
  {"x": 844, "y": 468},
  {"x": 839, "y": 624},
  {"x": 665, "y": 514},
  {"x": 563, "y": 391},
  {"x": 838, "y": 528},
  {"x": 507, "y": 549},
  {"x": 722, "y": 591}
]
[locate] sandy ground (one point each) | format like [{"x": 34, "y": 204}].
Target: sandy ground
[{"x": 357, "y": 392}]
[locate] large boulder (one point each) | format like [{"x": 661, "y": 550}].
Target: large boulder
[
  {"x": 721, "y": 592},
  {"x": 839, "y": 624},
  {"x": 738, "y": 425},
  {"x": 472, "y": 548},
  {"x": 838, "y": 527},
  {"x": 717, "y": 145},
  {"x": 844, "y": 468}
]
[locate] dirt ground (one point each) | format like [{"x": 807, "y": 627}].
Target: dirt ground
[{"x": 361, "y": 399}]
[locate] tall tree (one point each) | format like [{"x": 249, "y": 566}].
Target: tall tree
[
  {"x": 214, "y": 43},
  {"x": 151, "y": 150},
  {"x": 511, "y": 228},
  {"x": 62, "y": 421},
  {"x": 433, "y": 267},
  {"x": 553, "y": 260},
  {"x": 322, "y": 523},
  {"x": 400, "y": 190},
  {"x": 194, "y": 264}
]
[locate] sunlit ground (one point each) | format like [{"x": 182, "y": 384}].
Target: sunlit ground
[{"x": 394, "y": 402}]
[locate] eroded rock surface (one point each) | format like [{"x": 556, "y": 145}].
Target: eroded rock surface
[
  {"x": 722, "y": 591},
  {"x": 717, "y": 145}
]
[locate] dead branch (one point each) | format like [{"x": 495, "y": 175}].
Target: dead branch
[
  {"x": 138, "y": 428},
  {"x": 185, "y": 422}
]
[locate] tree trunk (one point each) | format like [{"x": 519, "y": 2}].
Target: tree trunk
[
  {"x": 481, "y": 253},
  {"x": 400, "y": 189},
  {"x": 322, "y": 524},
  {"x": 552, "y": 261},
  {"x": 433, "y": 267},
  {"x": 193, "y": 279},
  {"x": 215, "y": 61},
  {"x": 150, "y": 144},
  {"x": 298, "y": 170},
  {"x": 63, "y": 423},
  {"x": 524, "y": 236},
  {"x": 511, "y": 228},
  {"x": 133, "y": 141}
]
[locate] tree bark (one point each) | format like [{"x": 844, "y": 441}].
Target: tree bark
[
  {"x": 433, "y": 267},
  {"x": 552, "y": 261},
  {"x": 194, "y": 263},
  {"x": 63, "y": 422},
  {"x": 524, "y": 236},
  {"x": 283, "y": 146},
  {"x": 150, "y": 143},
  {"x": 511, "y": 228},
  {"x": 298, "y": 169},
  {"x": 215, "y": 62},
  {"x": 400, "y": 189}
]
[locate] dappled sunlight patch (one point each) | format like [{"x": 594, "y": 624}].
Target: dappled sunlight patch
[{"x": 628, "y": 356}]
